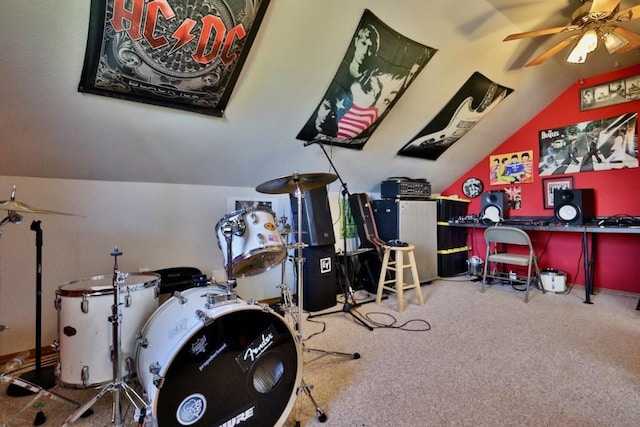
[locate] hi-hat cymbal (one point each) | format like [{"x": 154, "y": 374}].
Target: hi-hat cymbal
[
  {"x": 15, "y": 206},
  {"x": 289, "y": 184}
]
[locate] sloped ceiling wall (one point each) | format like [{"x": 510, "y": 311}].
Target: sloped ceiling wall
[{"x": 51, "y": 130}]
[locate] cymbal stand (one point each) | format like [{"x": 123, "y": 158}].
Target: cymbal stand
[
  {"x": 117, "y": 385},
  {"x": 349, "y": 296},
  {"x": 305, "y": 387}
]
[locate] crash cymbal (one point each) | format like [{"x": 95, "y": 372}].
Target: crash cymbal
[
  {"x": 287, "y": 184},
  {"x": 15, "y": 206}
]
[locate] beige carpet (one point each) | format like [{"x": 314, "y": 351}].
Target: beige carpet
[{"x": 487, "y": 360}]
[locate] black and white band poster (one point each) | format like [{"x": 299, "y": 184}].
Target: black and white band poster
[
  {"x": 377, "y": 69},
  {"x": 184, "y": 54},
  {"x": 596, "y": 145}
]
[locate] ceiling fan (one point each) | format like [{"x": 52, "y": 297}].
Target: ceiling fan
[{"x": 592, "y": 20}]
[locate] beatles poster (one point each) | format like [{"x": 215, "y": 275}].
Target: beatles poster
[
  {"x": 469, "y": 105},
  {"x": 596, "y": 145},
  {"x": 184, "y": 54},
  {"x": 510, "y": 168},
  {"x": 378, "y": 67}
]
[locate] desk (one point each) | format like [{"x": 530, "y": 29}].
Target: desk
[{"x": 589, "y": 233}]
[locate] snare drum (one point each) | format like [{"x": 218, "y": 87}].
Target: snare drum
[
  {"x": 208, "y": 358},
  {"x": 85, "y": 333},
  {"x": 256, "y": 245}
]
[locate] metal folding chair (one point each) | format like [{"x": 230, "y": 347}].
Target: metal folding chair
[{"x": 500, "y": 239}]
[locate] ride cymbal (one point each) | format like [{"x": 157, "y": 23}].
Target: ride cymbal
[{"x": 289, "y": 184}]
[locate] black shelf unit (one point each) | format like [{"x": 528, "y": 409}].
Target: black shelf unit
[{"x": 453, "y": 251}]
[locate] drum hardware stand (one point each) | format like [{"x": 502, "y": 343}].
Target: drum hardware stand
[
  {"x": 349, "y": 295},
  {"x": 41, "y": 395},
  {"x": 304, "y": 387},
  {"x": 44, "y": 378},
  {"x": 117, "y": 385},
  {"x": 228, "y": 230}
]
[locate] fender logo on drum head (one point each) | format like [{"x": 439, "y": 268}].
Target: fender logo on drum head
[
  {"x": 191, "y": 409},
  {"x": 270, "y": 226},
  {"x": 257, "y": 348}
]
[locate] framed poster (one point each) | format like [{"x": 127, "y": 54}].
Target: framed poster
[
  {"x": 611, "y": 93},
  {"x": 184, "y": 54},
  {"x": 549, "y": 185}
]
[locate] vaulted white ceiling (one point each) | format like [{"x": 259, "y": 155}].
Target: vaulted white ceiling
[{"x": 49, "y": 129}]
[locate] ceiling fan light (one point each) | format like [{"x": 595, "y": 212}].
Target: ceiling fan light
[
  {"x": 577, "y": 55},
  {"x": 589, "y": 41},
  {"x": 613, "y": 41}
]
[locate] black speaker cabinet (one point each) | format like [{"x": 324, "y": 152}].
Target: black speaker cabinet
[
  {"x": 495, "y": 205},
  {"x": 320, "y": 278},
  {"x": 575, "y": 206},
  {"x": 317, "y": 225}
]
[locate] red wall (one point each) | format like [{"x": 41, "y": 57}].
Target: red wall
[{"x": 616, "y": 192}]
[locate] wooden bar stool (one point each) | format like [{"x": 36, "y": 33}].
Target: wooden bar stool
[{"x": 397, "y": 265}]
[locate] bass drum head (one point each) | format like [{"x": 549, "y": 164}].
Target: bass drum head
[{"x": 243, "y": 368}]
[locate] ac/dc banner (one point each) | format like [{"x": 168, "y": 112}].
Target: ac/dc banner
[
  {"x": 469, "y": 105},
  {"x": 596, "y": 145},
  {"x": 378, "y": 67},
  {"x": 184, "y": 54}
]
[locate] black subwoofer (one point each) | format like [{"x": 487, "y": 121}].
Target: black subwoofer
[{"x": 575, "y": 206}]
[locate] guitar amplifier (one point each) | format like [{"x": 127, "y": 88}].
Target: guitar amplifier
[{"x": 405, "y": 188}]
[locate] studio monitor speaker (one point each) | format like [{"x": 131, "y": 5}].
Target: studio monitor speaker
[
  {"x": 494, "y": 206},
  {"x": 317, "y": 225},
  {"x": 575, "y": 206}
]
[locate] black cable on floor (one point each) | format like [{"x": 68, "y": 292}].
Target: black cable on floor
[{"x": 392, "y": 323}]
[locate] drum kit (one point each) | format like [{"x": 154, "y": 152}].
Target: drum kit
[{"x": 204, "y": 356}]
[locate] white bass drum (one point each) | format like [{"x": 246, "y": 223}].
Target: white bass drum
[{"x": 207, "y": 358}]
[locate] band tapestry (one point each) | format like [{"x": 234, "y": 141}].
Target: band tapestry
[
  {"x": 378, "y": 67},
  {"x": 469, "y": 105},
  {"x": 184, "y": 54}
]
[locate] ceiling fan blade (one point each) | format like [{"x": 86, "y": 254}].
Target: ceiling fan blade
[
  {"x": 628, "y": 14},
  {"x": 628, "y": 47},
  {"x": 600, "y": 9},
  {"x": 545, "y": 32},
  {"x": 629, "y": 35},
  {"x": 555, "y": 49}
]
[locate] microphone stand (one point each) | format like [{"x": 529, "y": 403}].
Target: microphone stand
[
  {"x": 346, "y": 286},
  {"x": 42, "y": 377}
]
